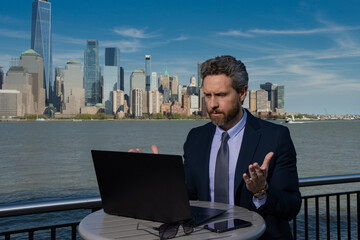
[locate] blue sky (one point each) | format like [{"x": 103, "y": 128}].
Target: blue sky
[{"x": 311, "y": 47}]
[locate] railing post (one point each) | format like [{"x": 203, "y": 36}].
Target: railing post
[
  {"x": 294, "y": 228},
  {"x": 338, "y": 216},
  {"x": 306, "y": 218},
  {"x": 53, "y": 233},
  {"x": 358, "y": 213},
  {"x": 31, "y": 235},
  {"x": 317, "y": 218},
  {"x": 73, "y": 231},
  {"x": 328, "y": 217},
  {"x": 348, "y": 215}
]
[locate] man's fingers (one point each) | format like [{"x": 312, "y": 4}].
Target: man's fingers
[
  {"x": 252, "y": 171},
  {"x": 266, "y": 162},
  {"x": 258, "y": 170},
  {"x": 155, "y": 149},
  {"x": 137, "y": 150},
  {"x": 246, "y": 178}
]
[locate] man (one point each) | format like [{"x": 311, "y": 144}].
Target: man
[{"x": 259, "y": 171}]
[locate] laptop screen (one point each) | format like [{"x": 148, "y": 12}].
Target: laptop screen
[{"x": 141, "y": 185}]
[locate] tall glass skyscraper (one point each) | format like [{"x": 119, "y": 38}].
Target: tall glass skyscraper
[
  {"x": 41, "y": 40},
  {"x": 112, "y": 57},
  {"x": 111, "y": 77},
  {"x": 122, "y": 79},
  {"x": 92, "y": 73},
  {"x": 1, "y": 77},
  {"x": 148, "y": 72}
]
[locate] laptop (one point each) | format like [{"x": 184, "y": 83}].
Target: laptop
[{"x": 146, "y": 186}]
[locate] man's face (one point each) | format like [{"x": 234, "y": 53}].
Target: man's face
[{"x": 222, "y": 101}]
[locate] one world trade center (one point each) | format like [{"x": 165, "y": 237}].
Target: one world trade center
[{"x": 41, "y": 40}]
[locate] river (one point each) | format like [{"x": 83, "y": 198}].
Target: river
[{"x": 51, "y": 159}]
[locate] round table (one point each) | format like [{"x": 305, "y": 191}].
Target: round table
[{"x": 101, "y": 226}]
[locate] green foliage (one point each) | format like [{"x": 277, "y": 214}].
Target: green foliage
[
  {"x": 159, "y": 116},
  {"x": 175, "y": 116},
  {"x": 99, "y": 116},
  {"x": 83, "y": 116},
  {"x": 32, "y": 116},
  {"x": 91, "y": 116}
]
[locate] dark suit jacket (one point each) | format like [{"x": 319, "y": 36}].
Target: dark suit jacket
[{"x": 260, "y": 137}]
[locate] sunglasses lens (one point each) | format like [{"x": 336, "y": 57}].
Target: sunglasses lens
[
  {"x": 167, "y": 231},
  {"x": 187, "y": 228}
]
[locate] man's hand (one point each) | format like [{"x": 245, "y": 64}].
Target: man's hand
[
  {"x": 154, "y": 149},
  {"x": 257, "y": 180}
]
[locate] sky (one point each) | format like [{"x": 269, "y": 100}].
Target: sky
[{"x": 310, "y": 47}]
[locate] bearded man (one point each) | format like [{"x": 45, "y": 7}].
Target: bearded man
[{"x": 239, "y": 159}]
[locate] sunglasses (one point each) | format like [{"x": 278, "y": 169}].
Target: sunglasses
[{"x": 169, "y": 230}]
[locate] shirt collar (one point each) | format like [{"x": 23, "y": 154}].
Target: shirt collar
[{"x": 235, "y": 130}]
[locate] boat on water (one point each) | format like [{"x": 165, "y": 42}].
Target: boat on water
[
  {"x": 40, "y": 120},
  {"x": 291, "y": 120}
]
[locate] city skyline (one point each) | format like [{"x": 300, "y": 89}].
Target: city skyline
[{"x": 310, "y": 48}]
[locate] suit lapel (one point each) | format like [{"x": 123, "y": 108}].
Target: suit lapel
[{"x": 248, "y": 147}]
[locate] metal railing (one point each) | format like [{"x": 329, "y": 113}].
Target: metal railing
[
  {"x": 94, "y": 203},
  {"x": 321, "y": 212}
]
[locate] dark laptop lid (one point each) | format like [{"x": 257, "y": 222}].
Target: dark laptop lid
[{"x": 141, "y": 185}]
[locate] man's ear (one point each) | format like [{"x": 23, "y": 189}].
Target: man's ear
[{"x": 243, "y": 93}]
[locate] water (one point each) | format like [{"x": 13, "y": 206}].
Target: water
[{"x": 44, "y": 160}]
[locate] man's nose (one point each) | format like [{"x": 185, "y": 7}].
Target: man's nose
[{"x": 214, "y": 103}]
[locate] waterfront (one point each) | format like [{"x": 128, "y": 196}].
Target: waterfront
[{"x": 43, "y": 160}]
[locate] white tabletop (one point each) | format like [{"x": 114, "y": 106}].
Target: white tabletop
[{"x": 101, "y": 226}]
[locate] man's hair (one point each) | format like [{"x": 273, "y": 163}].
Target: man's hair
[{"x": 229, "y": 66}]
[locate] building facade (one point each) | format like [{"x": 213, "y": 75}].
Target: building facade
[
  {"x": 92, "y": 74},
  {"x": 262, "y": 101},
  {"x": 34, "y": 65},
  {"x": 280, "y": 98},
  {"x": 154, "y": 81},
  {"x": 41, "y": 40},
  {"x": 122, "y": 87},
  {"x": 111, "y": 77},
  {"x": 271, "y": 89},
  {"x": 18, "y": 79},
  {"x": 136, "y": 102},
  {"x": 148, "y": 72},
  {"x": 119, "y": 106},
  {"x": 1, "y": 77},
  {"x": 11, "y": 103},
  {"x": 74, "y": 92},
  {"x": 137, "y": 79}
]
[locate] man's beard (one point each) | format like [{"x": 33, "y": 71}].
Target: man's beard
[{"x": 226, "y": 118}]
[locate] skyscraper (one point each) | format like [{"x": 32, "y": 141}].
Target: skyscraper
[
  {"x": 41, "y": 40},
  {"x": 280, "y": 98},
  {"x": 34, "y": 65},
  {"x": 148, "y": 72},
  {"x": 137, "y": 79},
  {"x": 74, "y": 93},
  {"x": 270, "y": 88},
  {"x": 1, "y": 77},
  {"x": 112, "y": 57},
  {"x": 200, "y": 80},
  {"x": 112, "y": 73},
  {"x": 154, "y": 81},
  {"x": 121, "y": 79},
  {"x": 92, "y": 73}
]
